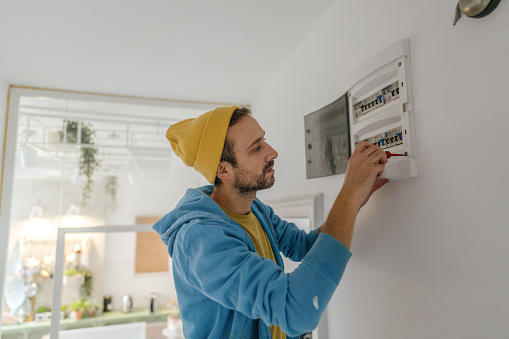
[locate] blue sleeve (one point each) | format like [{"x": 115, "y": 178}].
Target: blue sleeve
[
  {"x": 293, "y": 242},
  {"x": 215, "y": 259}
]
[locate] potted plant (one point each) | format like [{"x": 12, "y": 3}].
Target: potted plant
[
  {"x": 92, "y": 310},
  {"x": 77, "y": 308},
  {"x": 43, "y": 313}
]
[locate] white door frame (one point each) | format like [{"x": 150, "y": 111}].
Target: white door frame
[{"x": 58, "y": 275}]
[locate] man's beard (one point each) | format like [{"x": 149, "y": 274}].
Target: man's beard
[{"x": 247, "y": 184}]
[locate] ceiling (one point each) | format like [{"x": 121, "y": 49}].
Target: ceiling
[{"x": 215, "y": 51}]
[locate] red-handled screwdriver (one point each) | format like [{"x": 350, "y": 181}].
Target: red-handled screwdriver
[{"x": 389, "y": 154}]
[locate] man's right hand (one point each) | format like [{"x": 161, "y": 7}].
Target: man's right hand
[{"x": 362, "y": 177}]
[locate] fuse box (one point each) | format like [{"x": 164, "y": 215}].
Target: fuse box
[{"x": 381, "y": 108}]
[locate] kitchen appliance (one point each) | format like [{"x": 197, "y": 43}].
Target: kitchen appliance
[
  {"x": 152, "y": 302},
  {"x": 127, "y": 304},
  {"x": 108, "y": 306}
]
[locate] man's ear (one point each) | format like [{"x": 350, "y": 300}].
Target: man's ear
[{"x": 223, "y": 171}]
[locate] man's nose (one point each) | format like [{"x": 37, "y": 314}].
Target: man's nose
[{"x": 272, "y": 154}]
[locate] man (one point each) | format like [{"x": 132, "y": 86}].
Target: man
[{"x": 225, "y": 244}]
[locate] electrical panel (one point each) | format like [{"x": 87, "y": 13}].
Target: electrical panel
[{"x": 381, "y": 109}]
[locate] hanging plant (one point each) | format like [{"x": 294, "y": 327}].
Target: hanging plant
[
  {"x": 111, "y": 186},
  {"x": 88, "y": 161}
]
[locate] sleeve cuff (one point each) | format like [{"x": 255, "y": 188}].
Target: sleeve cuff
[
  {"x": 330, "y": 255},
  {"x": 312, "y": 236}
]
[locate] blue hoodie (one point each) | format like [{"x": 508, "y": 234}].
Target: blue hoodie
[{"x": 226, "y": 290}]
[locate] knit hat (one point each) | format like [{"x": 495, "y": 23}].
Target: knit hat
[{"x": 199, "y": 141}]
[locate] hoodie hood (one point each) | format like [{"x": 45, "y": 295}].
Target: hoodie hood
[{"x": 196, "y": 204}]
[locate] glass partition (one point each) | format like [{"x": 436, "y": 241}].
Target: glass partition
[{"x": 80, "y": 160}]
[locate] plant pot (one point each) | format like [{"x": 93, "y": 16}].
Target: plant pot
[{"x": 76, "y": 315}]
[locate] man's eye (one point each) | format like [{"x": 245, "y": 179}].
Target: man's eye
[{"x": 258, "y": 148}]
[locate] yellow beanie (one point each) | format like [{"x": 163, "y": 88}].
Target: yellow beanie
[{"x": 199, "y": 141}]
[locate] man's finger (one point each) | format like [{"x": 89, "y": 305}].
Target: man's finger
[
  {"x": 379, "y": 183},
  {"x": 361, "y": 147},
  {"x": 376, "y": 185},
  {"x": 378, "y": 156}
]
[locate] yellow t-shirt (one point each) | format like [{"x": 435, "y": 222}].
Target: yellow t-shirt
[{"x": 261, "y": 242}]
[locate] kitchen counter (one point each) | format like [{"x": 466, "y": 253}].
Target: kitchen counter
[{"x": 107, "y": 318}]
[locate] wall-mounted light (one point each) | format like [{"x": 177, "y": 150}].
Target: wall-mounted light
[
  {"x": 474, "y": 8},
  {"x": 73, "y": 209},
  {"x": 36, "y": 226},
  {"x": 36, "y": 212}
]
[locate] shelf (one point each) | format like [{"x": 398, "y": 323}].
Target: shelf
[{"x": 107, "y": 318}]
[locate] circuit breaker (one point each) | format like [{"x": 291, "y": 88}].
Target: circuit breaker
[{"x": 381, "y": 108}]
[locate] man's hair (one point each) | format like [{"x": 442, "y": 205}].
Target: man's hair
[{"x": 228, "y": 154}]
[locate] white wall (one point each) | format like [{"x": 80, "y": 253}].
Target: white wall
[{"x": 429, "y": 254}]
